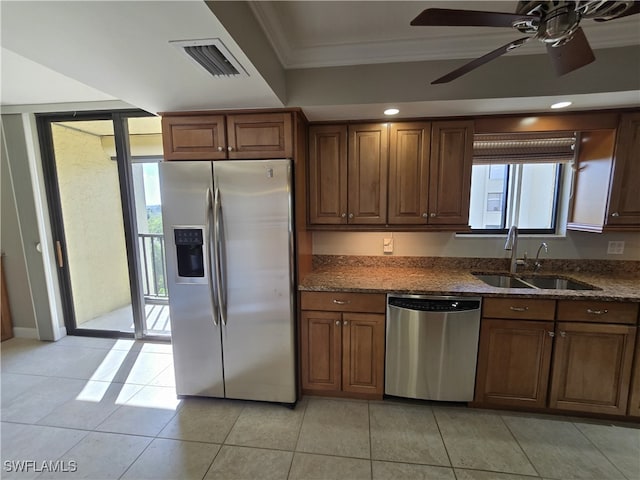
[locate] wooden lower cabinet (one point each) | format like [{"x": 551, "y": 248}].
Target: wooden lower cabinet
[
  {"x": 592, "y": 367},
  {"x": 513, "y": 362},
  {"x": 342, "y": 352},
  {"x": 634, "y": 397}
]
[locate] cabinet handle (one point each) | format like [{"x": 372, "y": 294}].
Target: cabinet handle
[
  {"x": 229, "y": 149},
  {"x": 563, "y": 334},
  {"x": 351, "y": 215},
  {"x": 615, "y": 214},
  {"x": 552, "y": 334},
  {"x": 338, "y": 323},
  {"x": 519, "y": 309},
  {"x": 341, "y": 302},
  {"x": 220, "y": 149},
  {"x": 59, "y": 254},
  {"x": 345, "y": 323},
  {"x": 597, "y": 312},
  {"x": 425, "y": 215},
  {"x": 344, "y": 215},
  {"x": 432, "y": 214}
]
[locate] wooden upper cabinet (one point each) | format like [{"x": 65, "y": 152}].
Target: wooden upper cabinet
[
  {"x": 367, "y": 173},
  {"x": 450, "y": 172},
  {"x": 220, "y": 137},
  {"x": 328, "y": 174},
  {"x": 194, "y": 137},
  {"x": 592, "y": 367},
  {"x": 260, "y": 135},
  {"x": 409, "y": 149},
  {"x": 624, "y": 200}
]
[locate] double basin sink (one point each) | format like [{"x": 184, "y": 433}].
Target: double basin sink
[{"x": 552, "y": 282}]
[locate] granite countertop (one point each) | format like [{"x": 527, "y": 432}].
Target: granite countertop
[{"x": 458, "y": 279}]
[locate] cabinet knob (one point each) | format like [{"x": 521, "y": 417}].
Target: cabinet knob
[
  {"x": 563, "y": 334},
  {"x": 432, "y": 214},
  {"x": 551, "y": 334},
  {"x": 425, "y": 215},
  {"x": 345, "y": 323},
  {"x": 338, "y": 323},
  {"x": 351, "y": 215},
  {"x": 229, "y": 148},
  {"x": 615, "y": 214},
  {"x": 220, "y": 149},
  {"x": 344, "y": 215}
]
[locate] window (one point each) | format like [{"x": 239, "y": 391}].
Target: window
[{"x": 516, "y": 179}]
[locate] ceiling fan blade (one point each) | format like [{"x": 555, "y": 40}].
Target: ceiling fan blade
[
  {"x": 481, "y": 61},
  {"x": 572, "y": 55},
  {"x": 632, "y": 10},
  {"x": 468, "y": 18}
]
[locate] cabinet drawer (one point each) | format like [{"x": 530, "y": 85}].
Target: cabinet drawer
[
  {"x": 344, "y": 301},
  {"x": 598, "y": 311},
  {"x": 519, "y": 308}
]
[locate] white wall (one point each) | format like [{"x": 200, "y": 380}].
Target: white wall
[{"x": 576, "y": 245}]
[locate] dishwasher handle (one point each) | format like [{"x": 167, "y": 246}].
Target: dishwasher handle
[{"x": 434, "y": 305}]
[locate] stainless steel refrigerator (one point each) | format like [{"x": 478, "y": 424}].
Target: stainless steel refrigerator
[{"x": 229, "y": 253}]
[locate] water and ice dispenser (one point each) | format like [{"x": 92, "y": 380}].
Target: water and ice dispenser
[{"x": 189, "y": 252}]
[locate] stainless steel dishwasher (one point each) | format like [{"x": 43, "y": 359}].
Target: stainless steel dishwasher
[{"x": 432, "y": 347}]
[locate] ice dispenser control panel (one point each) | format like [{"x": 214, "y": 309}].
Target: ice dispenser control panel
[{"x": 189, "y": 252}]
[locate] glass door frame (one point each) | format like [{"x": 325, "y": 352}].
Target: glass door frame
[{"x": 125, "y": 178}]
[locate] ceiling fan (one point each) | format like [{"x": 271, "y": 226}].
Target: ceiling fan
[{"x": 555, "y": 23}]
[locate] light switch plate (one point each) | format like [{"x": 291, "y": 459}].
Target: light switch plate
[
  {"x": 616, "y": 247},
  {"x": 387, "y": 245}
]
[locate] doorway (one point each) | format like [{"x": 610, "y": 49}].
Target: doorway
[{"x": 103, "y": 194}]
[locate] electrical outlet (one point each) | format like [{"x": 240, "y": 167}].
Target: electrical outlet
[
  {"x": 616, "y": 247},
  {"x": 387, "y": 245}
]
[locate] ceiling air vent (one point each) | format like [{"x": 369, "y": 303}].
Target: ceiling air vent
[{"x": 212, "y": 55}]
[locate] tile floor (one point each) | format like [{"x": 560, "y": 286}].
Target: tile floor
[{"x": 108, "y": 409}]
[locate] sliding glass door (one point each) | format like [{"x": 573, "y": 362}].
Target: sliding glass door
[{"x": 103, "y": 196}]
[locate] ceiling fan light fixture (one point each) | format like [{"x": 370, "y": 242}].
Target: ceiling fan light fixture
[
  {"x": 558, "y": 105},
  {"x": 391, "y": 111}
]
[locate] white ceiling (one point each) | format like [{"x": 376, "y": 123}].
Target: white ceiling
[{"x": 335, "y": 60}]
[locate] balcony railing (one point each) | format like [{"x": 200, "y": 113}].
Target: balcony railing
[{"x": 153, "y": 266}]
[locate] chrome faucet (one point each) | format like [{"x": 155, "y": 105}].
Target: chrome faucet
[
  {"x": 512, "y": 244},
  {"x": 537, "y": 264}
]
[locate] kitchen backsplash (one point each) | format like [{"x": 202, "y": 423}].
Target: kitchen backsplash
[
  {"x": 575, "y": 245},
  {"x": 622, "y": 267}
]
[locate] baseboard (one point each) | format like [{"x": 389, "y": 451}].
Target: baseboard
[
  {"x": 22, "y": 332},
  {"x": 59, "y": 332}
]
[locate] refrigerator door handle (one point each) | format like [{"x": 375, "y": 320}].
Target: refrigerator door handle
[
  {"x": 218, "y": 254},
  {"x": 212, "y": 285}
]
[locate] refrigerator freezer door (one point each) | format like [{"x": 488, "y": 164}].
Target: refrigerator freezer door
[
  {"x": 196, "y": 340},
  {"x": 258, "y": 339}
]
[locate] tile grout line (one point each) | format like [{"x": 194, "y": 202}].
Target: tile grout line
[
  {"x": 524, "y": 452},
  {"x": 598, "y": 449},
  {"x": 370, "y": 442},
  {"x": 295, "y": 447},
  {"x": 444, "y": 444}
]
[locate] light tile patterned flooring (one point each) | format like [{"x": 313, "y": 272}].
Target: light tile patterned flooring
[{"x": 110, "y": 406}]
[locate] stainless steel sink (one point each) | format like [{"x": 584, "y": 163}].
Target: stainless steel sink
[
  {"x": 551, "y": 282},
  {"x": 503, "y": 281},
  {"x": 557, "y": 283}
]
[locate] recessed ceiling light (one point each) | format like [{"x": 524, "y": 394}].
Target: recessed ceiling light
[
  {"x": 391, "y": 111},
  {"x": 561, "y": 105}
]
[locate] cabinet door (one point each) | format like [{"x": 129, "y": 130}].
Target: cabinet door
[
  {"x": 409, "y": 173},
  {"x": 450, "y": 172},
  {"x": 624, "y": 201},
  {"x": 328, "y": 174},
  {"x": 321, "y": 350},
  {"x": 363, "y": 353},
  {"x": 260, "y": 135},
  {"x": 634, "y": 397},
  {"x": 592, "y": 367},
  {"x": 194, "y": 137},
  {"x": 513, "y": 362},
  {"x": 367, "y": 173}
]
